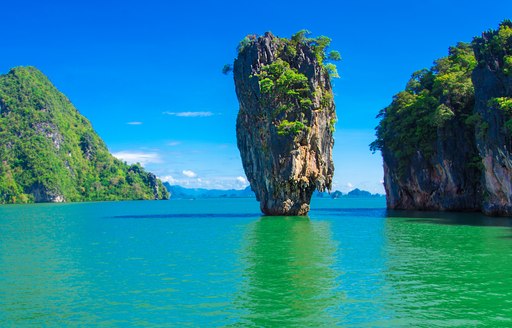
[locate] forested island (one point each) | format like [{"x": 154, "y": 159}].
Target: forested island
[
  {"x": 51, "y": 153},
  {"x": 446, "y": 139}
]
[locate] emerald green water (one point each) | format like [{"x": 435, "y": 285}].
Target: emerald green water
[{"x": 219, "y": 263}]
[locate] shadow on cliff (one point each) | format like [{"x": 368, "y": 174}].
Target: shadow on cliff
[
  {"x": 451, "y": 218},
  {"x": 187, "y": 215},
  {"x": 351, "y": 212},
  {"x": 434, "y": 217}
]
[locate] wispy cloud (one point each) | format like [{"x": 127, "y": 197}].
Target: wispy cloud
[
  {"x": 189, "y": 114},
  {"x": 168, "y": 178},
  {"x": 173, "y": 143},
  {"x": 134, "y": 123},
  {"x": 189, "y": 179},
  {"x": 189, "y": 173},
  {"x": 132, "y": 157}
]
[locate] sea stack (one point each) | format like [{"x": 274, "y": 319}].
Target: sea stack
[{"x": 286, "y": 119}]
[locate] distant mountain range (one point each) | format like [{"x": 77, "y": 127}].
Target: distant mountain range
[{"x": 179, "y": 192}]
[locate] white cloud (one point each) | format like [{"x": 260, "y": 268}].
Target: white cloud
[
  {"x": 132, "y": 157},
  {"x": 168, "y": 178},
  {"x": 134, "y": 123},
  {"x": 350, "y": 185},
  {"x": 189, "y": 173},
  {"x": 189, "y": 114},
  {"x": 173, "y": 143},
  {"x": 190, "y": 179}
]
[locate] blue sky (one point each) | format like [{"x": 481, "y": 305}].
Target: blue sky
[{"x": 147, "y": 73}]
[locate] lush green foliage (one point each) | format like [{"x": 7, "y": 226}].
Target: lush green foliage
[
  {"x": 285, "y": 86},
  {"x": 319, "y": 46},
  {"x": 334, "y": 55},
  {"x": 494, "y": 51},
  {"x": 287, "y": 90},
  {"x": 287, "y": 128},
  {"x": 504, "y": 104},
  {"x": 245, "y": 42},
  {"x": 332, "y": 70},
  {"x": 496, "y": 44},
  {"x": 431, "y": 98},
  {"x": 48, "y": 147},
  {"x": 332, "y": 124},
  {"x": 507, "y": 65}
]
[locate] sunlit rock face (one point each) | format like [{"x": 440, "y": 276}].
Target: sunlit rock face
[{"x": 285, "y": 123}]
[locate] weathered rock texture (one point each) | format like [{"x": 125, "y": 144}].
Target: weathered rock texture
[
  {"x": 446, "y": 140},
  {"x": 428, "y": 148},
  {"x": 445, "y": 180},
  {"x": 285, "y": 127},
  {"x": 492, "y": 79}
]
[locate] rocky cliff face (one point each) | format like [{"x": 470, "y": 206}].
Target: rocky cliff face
[
  {"x": 286, "y": 120},
  {"x": 428, "y": 147},
  {"x": 446, "y": 140},
  {"x": 492, "y": 79},
  {"x": 445, "y": 180},
  {"x": 50, "y": 153}
]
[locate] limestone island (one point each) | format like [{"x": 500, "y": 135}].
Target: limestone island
[
  {"x": 286, "y": 118},
  {"x": 446, "y": 140},
  {"x": 51, "y": 153}
]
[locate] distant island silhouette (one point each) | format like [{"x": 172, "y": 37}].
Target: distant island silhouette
[{"x": 180, "y": 192}]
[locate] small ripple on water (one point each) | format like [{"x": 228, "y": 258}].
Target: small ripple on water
[{"x": 349, "y": 267}]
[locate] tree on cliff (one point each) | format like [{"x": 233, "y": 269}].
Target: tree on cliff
[
  {"x": 286, "y": 120},
  {"x": 50, "y": 152}
]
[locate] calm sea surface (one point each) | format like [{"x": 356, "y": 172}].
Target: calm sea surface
[{"x": 219, "y": 263}]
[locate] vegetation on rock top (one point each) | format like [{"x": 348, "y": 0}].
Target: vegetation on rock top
[
  {"x": 49, "y": 150},
  {"x": 431, "y": 98},
  {"x": 288, "y": 90},
  {"x": 494, "y": 48}
]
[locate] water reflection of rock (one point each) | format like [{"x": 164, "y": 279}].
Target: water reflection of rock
[
  {"x": 288, "y": 274},
  {"x": 449, "y": 269}
]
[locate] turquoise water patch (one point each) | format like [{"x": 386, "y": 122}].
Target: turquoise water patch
[{"x": 219, "y": 263}]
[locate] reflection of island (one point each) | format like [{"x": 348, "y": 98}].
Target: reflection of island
[
  {"x": 449, "y": 269},
  {"x": 289, "y": 275}
]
